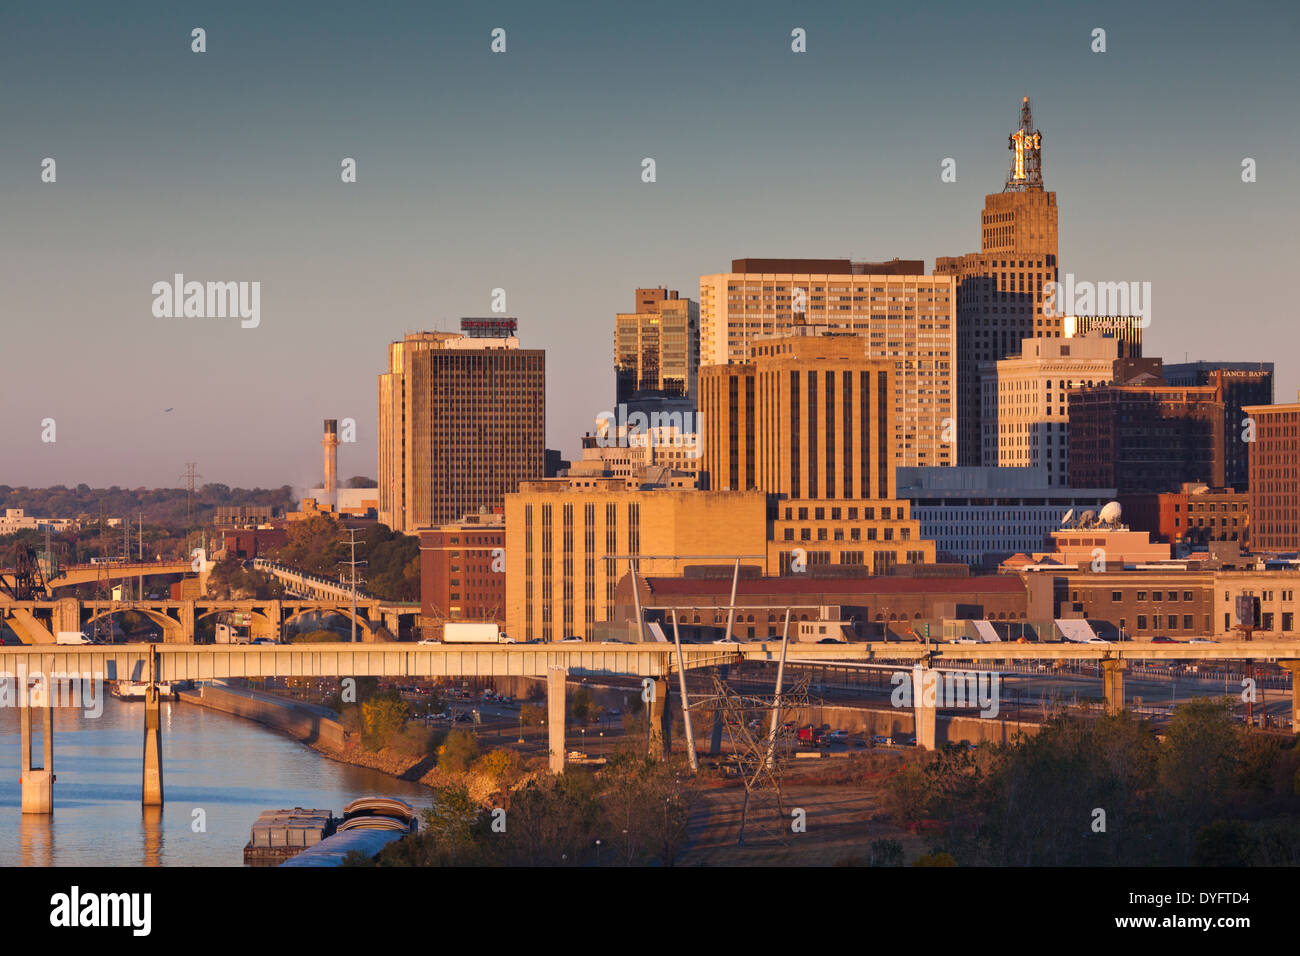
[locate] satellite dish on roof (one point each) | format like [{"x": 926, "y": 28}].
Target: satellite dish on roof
[
  {"x": 1066, "y": 519},
  {"x": 1085, "y": 519},
  {"x": 1111, "y": 513}
]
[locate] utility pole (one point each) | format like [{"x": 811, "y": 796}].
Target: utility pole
[
  {"x": 139, "y": 555},
  {"x": 353, "y": 564}
]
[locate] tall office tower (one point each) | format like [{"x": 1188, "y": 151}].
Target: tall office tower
[
  {"x": 808, "y": 420},
  {"x": 1145, "y": 439},
  {"x": 898, "y": 312},
  {"x": 807, "y": 417},
  {"x": 1026, "y": 400},
  {"x": 1240, "y": 384},
  {"x": 461, "y": 423},
  {"x": 1275, "y": 477},
  {"x": 657, "y": 347},
  {"x": 1000, "y": 288}
]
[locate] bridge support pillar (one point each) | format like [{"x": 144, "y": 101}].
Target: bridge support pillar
[
  {"x": 555, "y": 716},
  {"x": 66, "y": 615},
  {"x": 152, "y": 778},
  {"x": 661, "y": 720},
  {"x": 1294, "y": 668},
  {"x": 37, "y": 782},
  {"x": 1112, "y": 684},
  {"x": 925, "y": 688},
  {"x": 186, "y": 613}
]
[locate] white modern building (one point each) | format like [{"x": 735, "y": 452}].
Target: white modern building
[
  {"x": 982, "y": 515},
  {"x": 17, "y": 519}
]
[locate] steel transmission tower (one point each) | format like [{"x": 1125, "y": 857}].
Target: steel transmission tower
[
  {"x": 189, "y": 477},
  {"x": 353, "y": 564}
]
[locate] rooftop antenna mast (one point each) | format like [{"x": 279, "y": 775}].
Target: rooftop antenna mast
[{"x": 1026, "y": 145}]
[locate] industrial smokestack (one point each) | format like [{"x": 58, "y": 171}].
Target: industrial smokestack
[{"x": 330, "y": 442}]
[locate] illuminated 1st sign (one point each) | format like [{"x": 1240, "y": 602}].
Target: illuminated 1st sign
[{"x": 1020, "y": 142}]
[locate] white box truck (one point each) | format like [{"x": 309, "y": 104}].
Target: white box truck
[
  {"x": 466, "y": 632},
  {"x": 72, "y": 637}
]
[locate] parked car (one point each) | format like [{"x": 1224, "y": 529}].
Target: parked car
[
  {"x": 1200, "y": 640},
  {"x": 1162, "y": 639},
  {"x": 831, "y": 640},
  {"x": 570, "y": 638},
  {"x": 838, "y": 736}
]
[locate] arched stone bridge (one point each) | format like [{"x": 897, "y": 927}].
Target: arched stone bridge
[{"x": 39, "y": 622}]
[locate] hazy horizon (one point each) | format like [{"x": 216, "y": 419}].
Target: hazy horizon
[{"x": 522, "y": 171}]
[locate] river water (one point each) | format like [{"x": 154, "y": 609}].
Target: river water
[{"x": 228, "y": 768}]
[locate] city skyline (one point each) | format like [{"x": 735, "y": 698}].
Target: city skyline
[{"x": 479, "y": 171}]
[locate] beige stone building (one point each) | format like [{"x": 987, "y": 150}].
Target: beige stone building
[
  {"x": 560, "y": 532},
  {"x": 1275, "y": 595},
  {"x": 461, "y": 423},
  {"x": 877, "y": 535},
  {"x": 807, "y": 416},
  {"x": 809, "y": 420},
  {"x": 1026, "y": 400},
  {"x": 900, "y": 315}
]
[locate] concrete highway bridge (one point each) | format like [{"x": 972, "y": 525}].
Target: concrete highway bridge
[
  {"x": 303, "y": 584},
  {"x": 654, "y": 661},
  {"x": 70, "y": 574},
  {"x": 39, "y": 622}
]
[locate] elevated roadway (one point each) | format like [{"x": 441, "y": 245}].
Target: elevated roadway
[{"x": 654, "y": 661}]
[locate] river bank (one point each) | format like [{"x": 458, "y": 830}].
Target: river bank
[{"x": 317, "y": 727}]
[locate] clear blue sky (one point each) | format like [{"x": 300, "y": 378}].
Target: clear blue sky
[{"x": 522, "y": 171}]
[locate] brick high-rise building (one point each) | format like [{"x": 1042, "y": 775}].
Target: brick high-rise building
[
  {"x": 897, "y": 312},
  {"x": 1000, "y": 288},
  {"x": 1275, "y": 477},
  {"x": 1143, "y": 439},
  {"x": 462, "y": 572},
  {"x": 657, "y": 347},
  {"x": 1240, "y": 384},
  {"x": 461, "y": 423}
]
